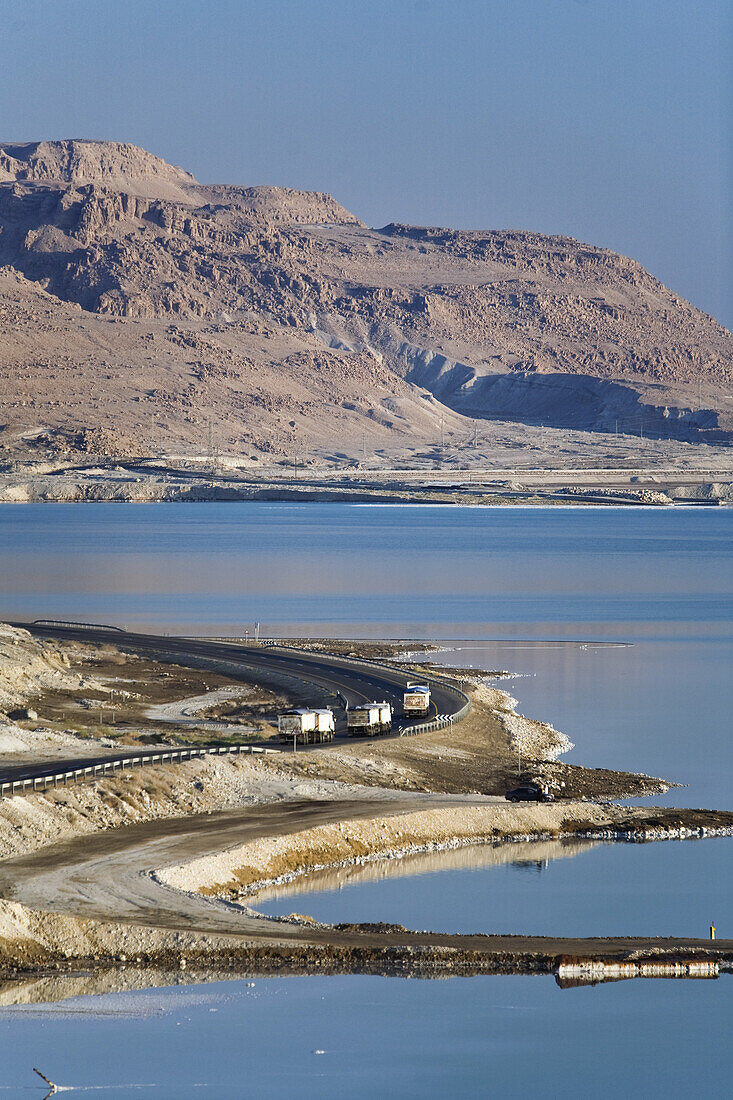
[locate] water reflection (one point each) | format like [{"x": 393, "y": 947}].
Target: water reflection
[
  {"x": 49, "y": 989},
  {"x": 506, "y": 1036},
  {"x": 532, "y": 856},
  {"x": 606, "y": 888},
  {"x": 329, "y": 568}
]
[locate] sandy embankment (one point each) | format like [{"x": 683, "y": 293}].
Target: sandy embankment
[
  {"x": 243, "y": 870},
  {"x": 465, "y": 857},
  {"x": 108, "y": 908},
  {"x": 32, "y": 821},
  {"x": 28, "y": 668}
]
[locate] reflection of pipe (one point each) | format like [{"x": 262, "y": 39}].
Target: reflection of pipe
[{"x": 575, "y": 972}]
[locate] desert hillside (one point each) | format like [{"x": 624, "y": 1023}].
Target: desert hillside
[{"x": 142, "y": 312}]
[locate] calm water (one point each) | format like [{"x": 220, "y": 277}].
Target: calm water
[
  {"x": 469, "y": 1037},
  {"x": 540, "y": 592},
  {"x": 660, "y": 579},
  {"x": 426, "y": 572},
  {"x": 661, "y": 705},
  {"x": 672, "y": 888}
]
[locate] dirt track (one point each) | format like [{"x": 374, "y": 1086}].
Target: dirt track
[{"x": 107, "y": 878}]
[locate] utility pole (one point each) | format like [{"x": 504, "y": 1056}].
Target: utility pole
[
  {"x": 475, "y": 436},
  {"x": 363, "y": 445},
  {"x": 211, "y": 448},
  {"x": 442, "y": 433}
]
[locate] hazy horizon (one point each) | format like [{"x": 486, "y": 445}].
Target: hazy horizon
[{"x": 605, "y": 120}]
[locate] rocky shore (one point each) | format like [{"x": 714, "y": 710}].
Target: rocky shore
[
  {"x": 665, "y": 481},
  {"x": 243, "y": 871},
  {"x": 185, "y": 931},
  {"x": 160, "y": 869}
]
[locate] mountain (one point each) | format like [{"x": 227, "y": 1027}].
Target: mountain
[{"x": 141, "y": 309}]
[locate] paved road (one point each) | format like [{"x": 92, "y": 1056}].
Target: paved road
[{"x": 354, "y": 681}]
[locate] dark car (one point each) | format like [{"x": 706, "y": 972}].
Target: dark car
[{"x": 529, "y": 793}]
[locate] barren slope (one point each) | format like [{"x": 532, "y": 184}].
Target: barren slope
[{"x": 136, "y": 305}]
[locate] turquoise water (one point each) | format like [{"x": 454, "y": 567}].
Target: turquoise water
[{"x": 540, "y": 592}]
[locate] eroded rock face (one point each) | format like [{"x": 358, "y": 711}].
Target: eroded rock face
[
  {"x": 496, "y": 325},
  {"x": 111, "y": 164}
]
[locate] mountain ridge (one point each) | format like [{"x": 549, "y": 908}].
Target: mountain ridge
[{"x": 384, "y": 330}]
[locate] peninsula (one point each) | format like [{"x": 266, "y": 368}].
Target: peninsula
[{"x": 150, "y": 873}]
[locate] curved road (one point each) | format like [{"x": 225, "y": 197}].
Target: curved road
[
  {"x": 109, "y": 876},
  {"x": 353, "y": 680}
]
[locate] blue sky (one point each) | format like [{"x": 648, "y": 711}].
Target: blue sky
[{"x": 607, "y": 120}]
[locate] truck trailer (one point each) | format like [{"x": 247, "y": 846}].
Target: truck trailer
[
  {"x": 416, "y": 701},
  {"x": 369, "y": 719},
  {"x": 385, "y": 717},
  {"x": 306, "y": 727}
]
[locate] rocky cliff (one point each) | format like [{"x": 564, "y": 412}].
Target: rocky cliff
[{"x": 138, "y": 306}]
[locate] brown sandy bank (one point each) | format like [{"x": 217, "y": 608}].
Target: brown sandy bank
[{"x": 281, "y": 854}]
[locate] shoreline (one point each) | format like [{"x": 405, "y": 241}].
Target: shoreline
[
  {"x": 154, "y": 869},
  {"x": 122, "y": 480},
  {"x": 617, "y": 836},
  {"x": 536, "y": 502},
  {"x": 187, "y": 930},
  {"x": 243, "y": 871}
]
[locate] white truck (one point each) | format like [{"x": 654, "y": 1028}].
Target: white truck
[
  {"x": 306, "y": 727},
  {"x": 369, "y": 719},
  {"x": 416, "y": 701},
  {"x": 385, "y": 717}
]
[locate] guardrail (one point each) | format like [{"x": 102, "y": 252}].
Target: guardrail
[
  {"x": 74, "y": 623},
  {"x": 108, "y": 767},
  {"x": 438, "y": 723}
]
